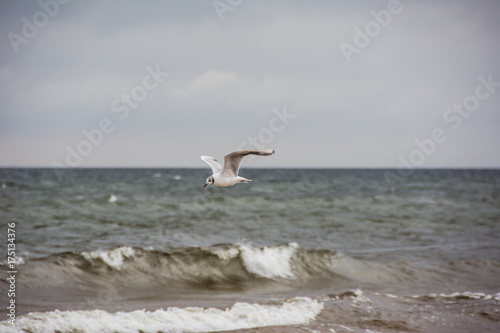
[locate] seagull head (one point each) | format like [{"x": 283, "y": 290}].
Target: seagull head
[{"x": 210, "y": 181}]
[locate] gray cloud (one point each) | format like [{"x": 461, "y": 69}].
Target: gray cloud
[{"x": 226, "y": 77}]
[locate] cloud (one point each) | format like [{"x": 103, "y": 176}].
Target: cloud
[
  {"x": 209, "y": 82},
  {"x": 227, "y": 76}
]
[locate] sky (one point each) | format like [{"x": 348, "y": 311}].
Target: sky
[{"x": 365, "y": 84}]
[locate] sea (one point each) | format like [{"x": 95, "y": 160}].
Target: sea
[{"x": 296, "y": 250}]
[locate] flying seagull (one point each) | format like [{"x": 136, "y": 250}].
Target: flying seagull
[{"x": 227, "y": 175}]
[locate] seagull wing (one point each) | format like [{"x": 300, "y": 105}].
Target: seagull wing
[
  {"x": 232, "y": 161},
  {"x": 212, "y": 162}
]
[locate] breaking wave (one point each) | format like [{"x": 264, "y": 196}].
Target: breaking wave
[
  {"x": 241, "y": 315},
  {"x": 225, "y": 266}
]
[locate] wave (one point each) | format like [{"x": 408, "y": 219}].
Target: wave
[
  {"x": 467, "y": 295},
  {"x": 241, "y": 315},
  {"x": 223, "y": 266}
]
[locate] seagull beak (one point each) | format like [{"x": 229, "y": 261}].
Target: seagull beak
[{"x": 205, "y": 185}]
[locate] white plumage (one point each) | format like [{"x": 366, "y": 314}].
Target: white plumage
[{"x": 227, "y": 174}]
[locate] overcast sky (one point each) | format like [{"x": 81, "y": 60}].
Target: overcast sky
[{"x": 325, "y": 83}]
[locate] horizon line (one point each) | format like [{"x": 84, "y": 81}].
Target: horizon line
[{"x": 253, "y": 167}]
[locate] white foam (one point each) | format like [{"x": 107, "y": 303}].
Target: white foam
[
  {"x": 294, "y": 311},
  {"x": 360, "y": 297},
  {"x": 466, "y": 294},
  {"x": 472, "y": 295},
  {"x": 225, "y": 254},
  {"x": 113, "y": 258},
  {"x": 18, "y": 260},
  {"x": 269, "y": 262}
]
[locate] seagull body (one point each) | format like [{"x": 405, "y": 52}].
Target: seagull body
[{"x": 227, "y": 174}]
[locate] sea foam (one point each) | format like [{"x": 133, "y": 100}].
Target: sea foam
[
  {"x": 293, "y": 311},
  {"x": 269, "y": 262},
  {"x": 113, "y": 258}
]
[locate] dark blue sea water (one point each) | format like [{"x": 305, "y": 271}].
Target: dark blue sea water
[{"x": 328, "y": 250}]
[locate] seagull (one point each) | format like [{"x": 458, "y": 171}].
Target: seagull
[{"x": 227, "y": 175}]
